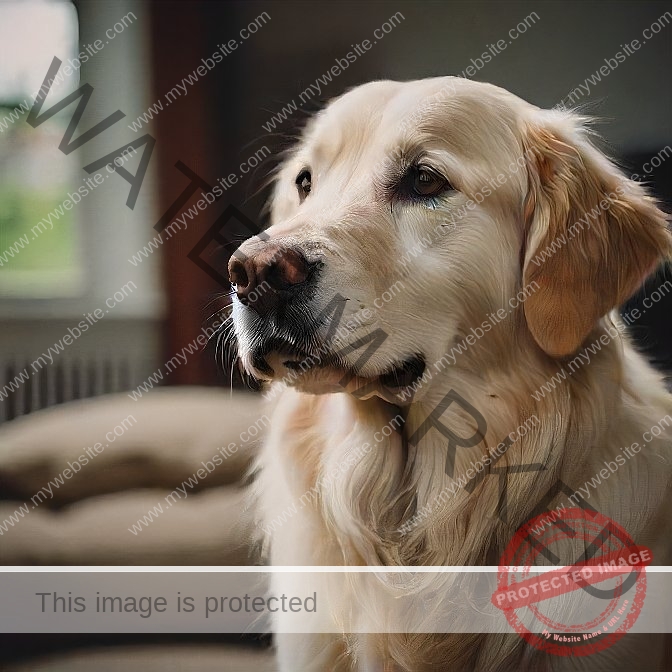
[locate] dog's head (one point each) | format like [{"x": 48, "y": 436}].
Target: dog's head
[{"x": 411, "y": 212}]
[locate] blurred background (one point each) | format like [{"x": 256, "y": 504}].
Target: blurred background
[{"x": 143, "y": 292}]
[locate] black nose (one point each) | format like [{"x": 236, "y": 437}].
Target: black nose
[{"x": 263, "y": 279}]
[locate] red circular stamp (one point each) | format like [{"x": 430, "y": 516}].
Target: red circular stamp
[{"x": 589, "y": 600}]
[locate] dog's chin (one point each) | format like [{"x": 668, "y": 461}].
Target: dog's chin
[{"x": 312, "y": 376}]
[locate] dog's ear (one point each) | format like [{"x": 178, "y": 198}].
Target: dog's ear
[{"x": 592, "y": 235}]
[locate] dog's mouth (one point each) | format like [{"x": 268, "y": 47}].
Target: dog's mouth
[
  {"x": 272, "y": 358},
  {"x": 321, "y": 373},
  {"x": 405, "y": 374},
  {"x": 292, "y": 352}
]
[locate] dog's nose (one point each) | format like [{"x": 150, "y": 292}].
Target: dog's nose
[{"x": 261, "y": 277}]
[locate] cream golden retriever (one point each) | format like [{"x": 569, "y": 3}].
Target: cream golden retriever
[{"x": 440, "y": 250}]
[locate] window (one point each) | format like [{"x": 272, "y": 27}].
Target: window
[{"x": 39, "y": 241}]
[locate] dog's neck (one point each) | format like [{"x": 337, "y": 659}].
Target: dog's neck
[{"x": 428, "y": 477}]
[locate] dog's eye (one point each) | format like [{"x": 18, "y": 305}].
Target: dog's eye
[
  {"x": 421, "y": 184},
  {"x": 428, "y": 183},
  {"x": 303, "y": 182}
]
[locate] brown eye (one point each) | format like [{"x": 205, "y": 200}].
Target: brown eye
[
  {"x": 428, "y": 183},
  {"x": 303, "y": 182}
]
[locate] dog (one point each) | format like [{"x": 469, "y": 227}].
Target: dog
[{"x": 439, "y": 253}]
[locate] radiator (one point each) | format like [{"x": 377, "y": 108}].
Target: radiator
[{"x": 25, "y": 389}]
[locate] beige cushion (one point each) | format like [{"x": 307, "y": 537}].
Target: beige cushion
[
  {"x": 213, "y": 527},
  {"x": 170, "y": 431},
  {"x": 88, "y": 518},
  {"x": 196, "y": 658}
]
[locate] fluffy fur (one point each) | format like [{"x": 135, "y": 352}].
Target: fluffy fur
[{"x": 481, "y": 253}]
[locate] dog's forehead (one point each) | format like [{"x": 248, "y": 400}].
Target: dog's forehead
[
  {"x": 394, "y": 112},
  {"x": 408, "y": 100}
]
